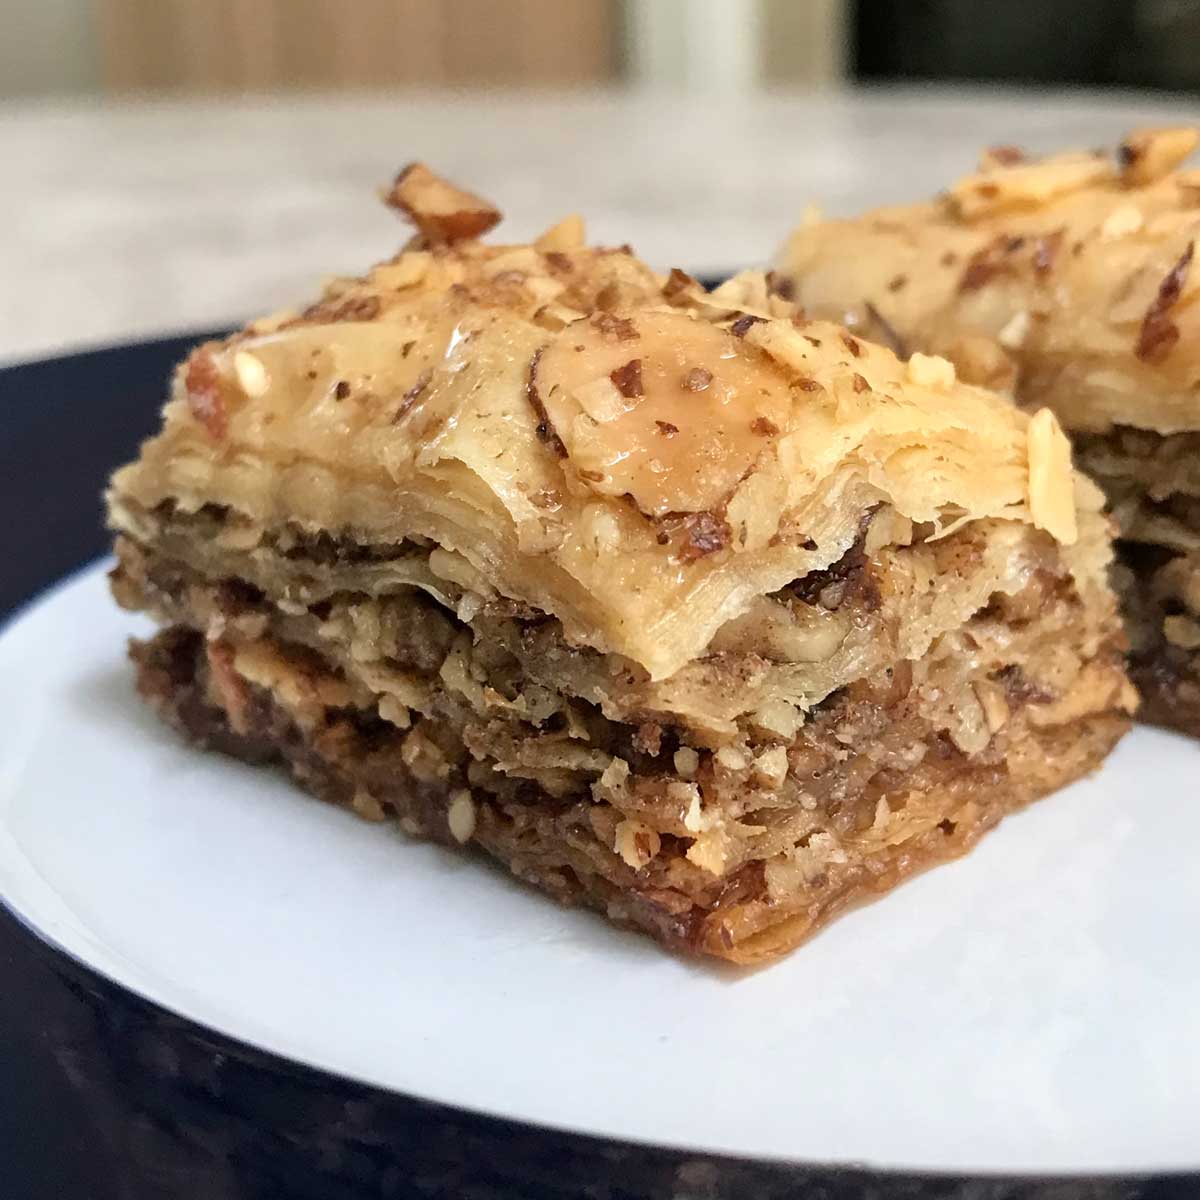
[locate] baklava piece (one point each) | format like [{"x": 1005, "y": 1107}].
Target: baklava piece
[
  {"x": 1069, "y": 282},
  {"x": 681, "y": 607}
]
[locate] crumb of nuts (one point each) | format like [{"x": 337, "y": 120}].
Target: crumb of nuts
[
  {"x": 687, "y": 762},
  {"x": 460, "y": 816},
  {"x": 928, "y": 370},
  {"x": 251, "y": 375},
  {"x": 441, "y": 211},
  {"x": 731, "y": 758}
]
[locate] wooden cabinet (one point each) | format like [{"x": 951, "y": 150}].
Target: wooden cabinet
[{"x": 230, "y": 45}]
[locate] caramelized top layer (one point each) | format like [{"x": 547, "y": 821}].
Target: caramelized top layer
[
  {"x": 1069, "y": 280},
  {"x": 633, "y": 454}
]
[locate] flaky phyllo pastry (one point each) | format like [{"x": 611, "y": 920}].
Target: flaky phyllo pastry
[
  {"x": 1069, "y": 282},
  {"x": 683, "y": 607}
]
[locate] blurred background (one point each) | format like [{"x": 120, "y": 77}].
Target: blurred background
[
  {"x": 118, "y": 46},
  {"x": 173, "y": 46},
  {"x": 182, "y": 163}
]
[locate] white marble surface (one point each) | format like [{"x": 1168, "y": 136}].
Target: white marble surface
[{"x": 125, "y": 220}]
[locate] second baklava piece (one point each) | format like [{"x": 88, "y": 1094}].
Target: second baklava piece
[{"x": 1070, "y": 282}]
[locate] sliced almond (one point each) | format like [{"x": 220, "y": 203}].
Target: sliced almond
[
  {"x": 1051, "y": 483},
  {"x": 1149, "y": 154},
  {"x": 1027, "y": 185}
]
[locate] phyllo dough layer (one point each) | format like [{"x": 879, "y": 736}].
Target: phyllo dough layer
[{"x": 680, "y": 605}]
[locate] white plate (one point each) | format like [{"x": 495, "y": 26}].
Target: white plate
[{"x": 1032, "y": 1007}]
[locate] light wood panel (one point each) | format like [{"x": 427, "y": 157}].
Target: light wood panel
[{"x": 234, "y": 45}]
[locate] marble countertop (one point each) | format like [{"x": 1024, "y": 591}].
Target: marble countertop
[{"x": 125, "y": 220}]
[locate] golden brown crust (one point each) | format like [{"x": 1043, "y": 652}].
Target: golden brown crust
[
  {"x": 634, "y": 455},
  {"x": 1076, "y": 269}
]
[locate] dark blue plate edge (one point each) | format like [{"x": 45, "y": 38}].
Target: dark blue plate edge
[{"x": 201, "y": 1086}]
